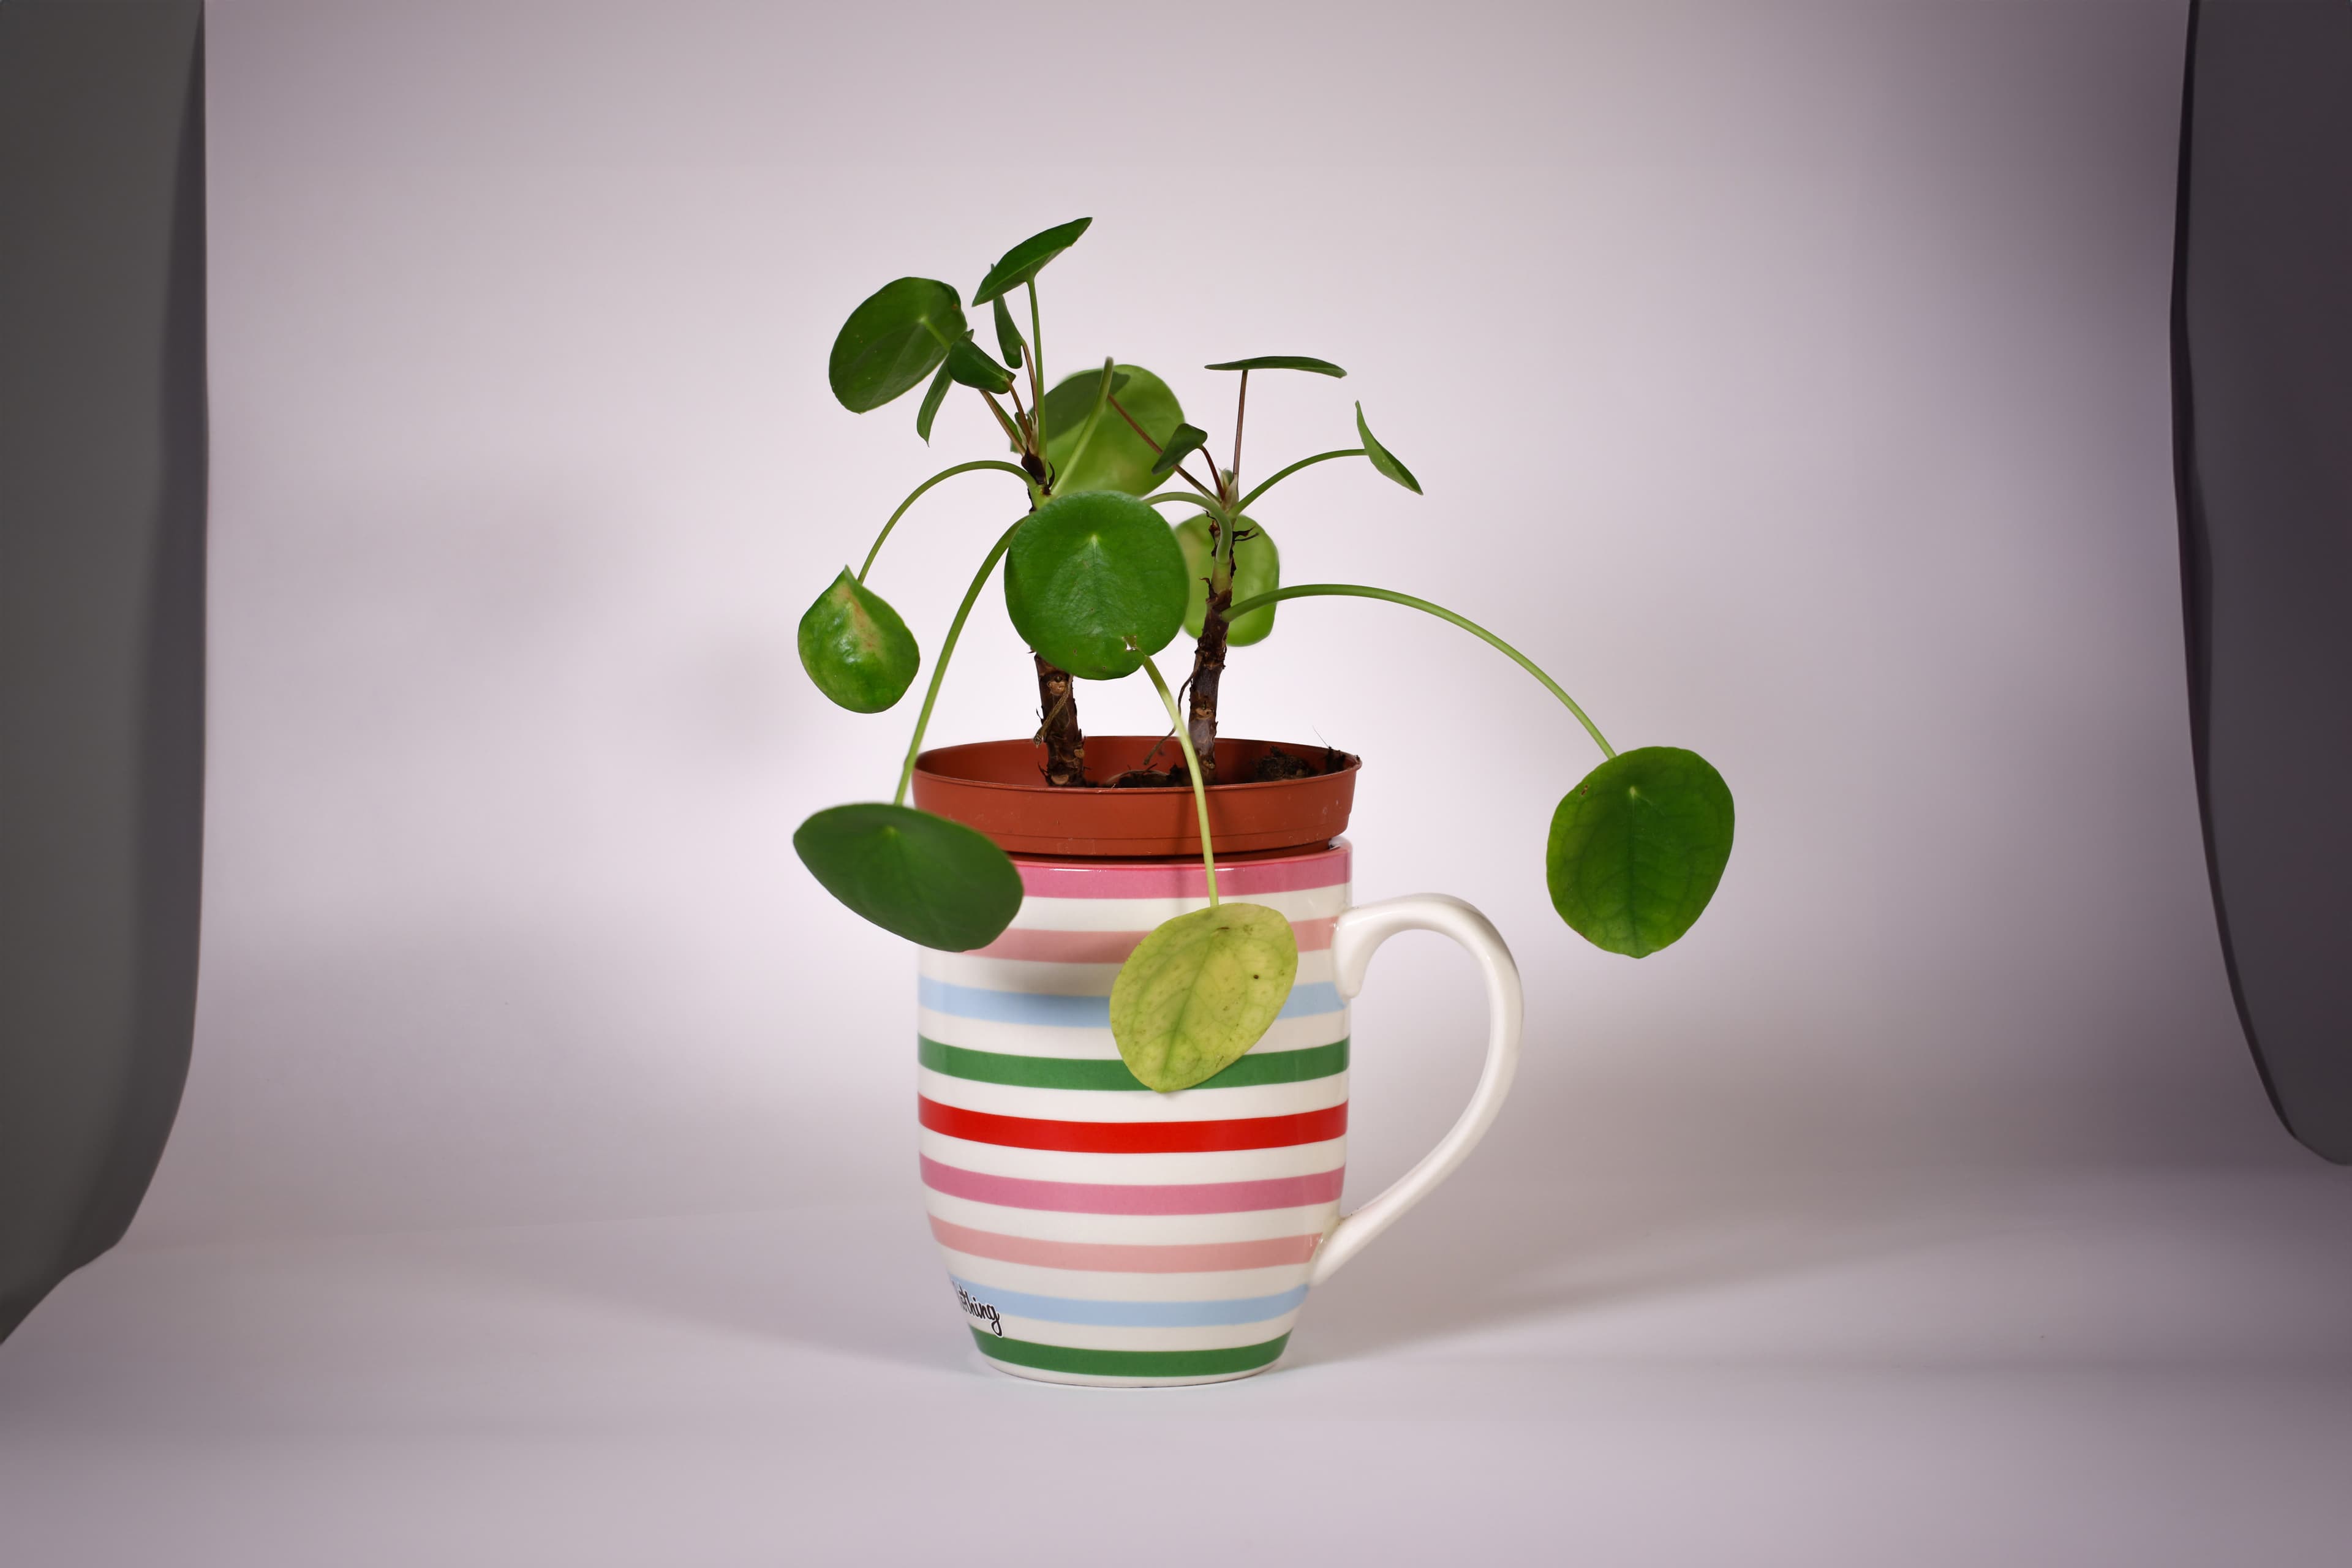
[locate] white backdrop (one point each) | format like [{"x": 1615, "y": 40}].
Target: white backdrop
[{"x": 1790, "y": 381}]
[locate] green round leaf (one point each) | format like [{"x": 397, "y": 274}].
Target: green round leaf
[
  {"x": 1095, "y": 582},
  {"x": 1022, "y": 262},
  {"x": 930, "y": 880},
  {"x": 1637, "y": 848},
  {"x": 1282, "y": 362},
  {"x": 1199, "y": 991},
  {"x": 1383, "y": 458},
  {"x": 1093, "y": 451},
  {"x": 1257, "y": 569},
  {"x": 893, "y": 340},
  {"x": 855, "y": 649}
]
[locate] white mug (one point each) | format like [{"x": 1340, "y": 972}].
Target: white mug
[{"x": 1098, "y": 1233}]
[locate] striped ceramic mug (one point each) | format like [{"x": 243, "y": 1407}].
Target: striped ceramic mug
[{"x": 1098, "y": 1233}]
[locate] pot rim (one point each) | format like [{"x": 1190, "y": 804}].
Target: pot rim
[
  {"x": 1349, "y": 762},
  {"x": 995, "y": 787}
]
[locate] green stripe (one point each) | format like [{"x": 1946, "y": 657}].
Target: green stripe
[
  {"x": 1131, "y": 1364},
  {"x": 1062, "y": 1072}
]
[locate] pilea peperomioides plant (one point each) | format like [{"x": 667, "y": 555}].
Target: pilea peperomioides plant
[{"x": 1098, "y": 581}]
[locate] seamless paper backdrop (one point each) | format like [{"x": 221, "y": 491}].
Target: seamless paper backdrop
[{"x": 1790, "y": 381}]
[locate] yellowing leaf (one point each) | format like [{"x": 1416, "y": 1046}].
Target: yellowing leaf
[{"x": 1199, "y": 991}]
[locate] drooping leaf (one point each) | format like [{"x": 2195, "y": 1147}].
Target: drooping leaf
[
  {"x": 1095, "y": 581},
  {"x": 1257, "y": 569},
  {"x": 1637, "y": 848},
  {"x": 1383, "y": 458},
  {"x": 1181, "y": 441},
  {"x": 1282, "y": 362},
  {"x": 855, "y": 649},
  {"x": 1199, "y": 991},
  {"x": 1093, "y": 450},
  {"x": 1008, "y": 336},
  {"x": 892, "y": 341},
  {"x": 970, "y": 363},
  {"x": 932, "y": 398},
  {"x": 1020, "y": 263},
  {"x": 930, "y": 880}
]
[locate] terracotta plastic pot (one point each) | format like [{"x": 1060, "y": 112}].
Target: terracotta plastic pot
[{"x": 999, "y": 788}]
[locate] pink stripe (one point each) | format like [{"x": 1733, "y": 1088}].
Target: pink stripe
[
  {"x": 1185, "y": 880},
  {"x": 1110, "y": 1257},
  {"x": 1099, "y": 1197},
  {"x": 1113, "y": 946}
]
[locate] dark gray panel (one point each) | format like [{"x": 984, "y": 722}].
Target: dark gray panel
[
  {"x": 2263, "y": 378},
  {"x": 102, "y": 475}
]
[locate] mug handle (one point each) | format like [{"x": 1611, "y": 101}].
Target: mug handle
[{"x": 1355, "y": 937}]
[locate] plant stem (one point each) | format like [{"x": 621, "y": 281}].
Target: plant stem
[
  {"x": 1193, "y": 760},
  {"x": 1037, "y": 366},
  {"x": 1181, "y": 472},
  {"x": 1286, "y": 473},
  {"x": 1094, "y": 417},
  {"x": 947, "y": 651},
  {"x": 1011, "y": 433},
  {"x": 1240, "y": 407},
  {"x": 927, "y": 484},
  {"x": 1058, "y": 710},
  {"x": 1209, "y": 660},
  {"x": 1208, "y": 648},
  {"x": 1205, "y": 503},
  {"x": 1350, "y": 590}
]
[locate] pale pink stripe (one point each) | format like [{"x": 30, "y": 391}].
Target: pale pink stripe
[
  {"x": 1109, "y": 1257},
  {"x": 1113, "y": 946},
  {"x": 1292, "y": 874},
  {"x": 1105, "y": 1197}
]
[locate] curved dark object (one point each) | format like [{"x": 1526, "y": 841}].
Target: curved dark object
[
  {"x": 102, "y": 615},
  {"x": 2262, "y": 371}
]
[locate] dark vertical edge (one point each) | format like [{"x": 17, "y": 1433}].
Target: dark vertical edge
[
  {"x": 171, "y": 722},
  {"x": 107, "y": 476},
  {"x": 2196, "y": 550}
]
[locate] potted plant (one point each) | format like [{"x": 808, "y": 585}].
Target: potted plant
[{"x": 1138, "y": 951}]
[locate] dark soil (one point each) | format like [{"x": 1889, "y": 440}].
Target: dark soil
[
  {"x": 1279, "y": 763},
  {"x": 1275, "y": 764},
  {"x": 1152, "y": 778}
]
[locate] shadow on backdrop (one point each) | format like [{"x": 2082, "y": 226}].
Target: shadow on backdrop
[
  {"x": 2261, "y": 370},
  {"x": 102, "y": 489}
]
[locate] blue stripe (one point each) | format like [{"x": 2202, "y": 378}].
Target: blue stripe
[
  {"x": 1133, "y": 1314},
  {"x": 1310, "y": 1000}
]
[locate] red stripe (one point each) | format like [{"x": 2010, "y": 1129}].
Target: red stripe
[{"x": 1135, "y": 1137}]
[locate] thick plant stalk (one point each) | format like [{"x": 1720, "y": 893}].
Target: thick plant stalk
[
  {"x": 1066, "y": 743},
  {"x": 1208, "y": 670}
]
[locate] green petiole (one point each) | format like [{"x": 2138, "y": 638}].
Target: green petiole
[
  {"x": 1094, "y": 416},
  {"x": 947, "y": 651},
  {"x": 1038, "y": 365},
  {"x": 1350, "y": 590},
  {"x": 1195, "y": 497},
  {"x": 1192, "y": 763},
  {"x": 1302, "y": 463},
  {"x": 1014, "y": 470}
]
